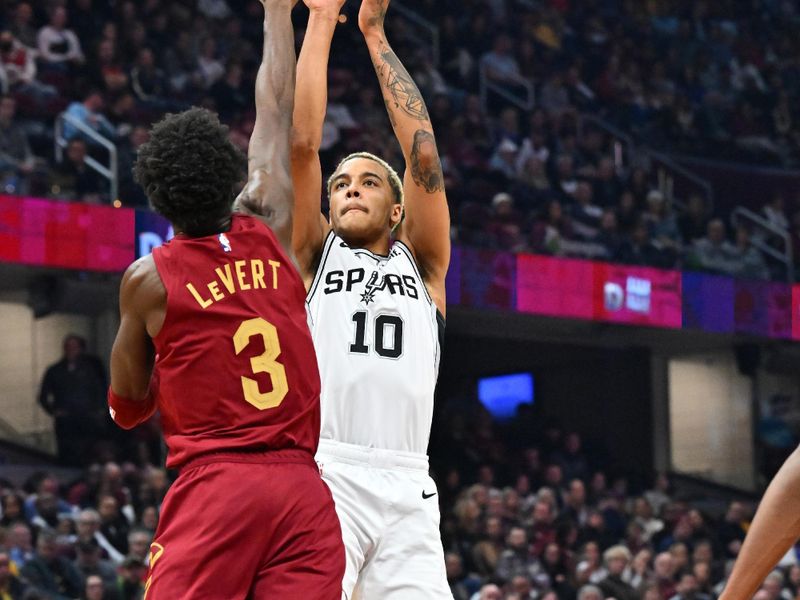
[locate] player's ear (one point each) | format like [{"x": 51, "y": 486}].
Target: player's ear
[{"x": 397, "y": 215}]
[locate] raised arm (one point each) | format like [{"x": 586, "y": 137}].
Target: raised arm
[
  {"x": 774, "y": 530},
  {"x": 426, "y": 229},
  {"x": 311, "y": 99},
  {"x": 269, "y": 193}
]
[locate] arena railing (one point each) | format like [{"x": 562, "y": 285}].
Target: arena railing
[
  {"x": 627, "y": 154},
  {"x": 430, "y": 32},
  {"x": 109, "y": 171},
  {"x": 763, "y": 231},
  {"x": 517, "y": 90}
]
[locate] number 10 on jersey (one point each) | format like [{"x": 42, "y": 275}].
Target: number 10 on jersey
[{"x": 388, "y": 335}]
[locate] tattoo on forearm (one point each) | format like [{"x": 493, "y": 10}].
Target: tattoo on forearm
[
  {"x": 390, "y": 112},
  {"x": 426, "y": 168},
  {"x": 400, "y": 86}
]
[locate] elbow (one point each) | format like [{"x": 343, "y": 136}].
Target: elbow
[{"x": 304, "y": 146}]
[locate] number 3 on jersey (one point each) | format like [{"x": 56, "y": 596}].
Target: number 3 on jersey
[
  {"x": 263, "y": 363},
  {"x": 388, "y": 335}
]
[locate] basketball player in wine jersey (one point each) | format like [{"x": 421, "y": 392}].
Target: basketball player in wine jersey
[
  {"x": 376, "y": 311},
  {"x": 214, "y": 335}
]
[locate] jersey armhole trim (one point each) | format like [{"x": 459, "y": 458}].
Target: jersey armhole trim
[
  {"x": 162, "y": 268},
  {"x": 414, "y": 265},
  {"x": 326, "y": 250}
]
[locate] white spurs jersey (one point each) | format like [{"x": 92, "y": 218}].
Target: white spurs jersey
[{"x": 377, "y": 336}]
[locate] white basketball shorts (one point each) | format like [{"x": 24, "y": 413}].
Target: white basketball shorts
[{"x": 388, "y": 507}]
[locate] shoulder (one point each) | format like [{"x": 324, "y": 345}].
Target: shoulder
[{"x": 142, "y": 284}]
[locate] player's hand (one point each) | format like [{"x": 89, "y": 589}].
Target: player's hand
[
  {"x": 270, "y": 4},
  {"x": 324, "y": 5},
  {"x": 372, "y": 14}
]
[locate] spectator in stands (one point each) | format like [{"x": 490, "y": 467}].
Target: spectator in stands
[
  {"x": 139, "y": 543},
  {"x": 11, "y": 508},
  {"x": 130, "y": 581},
  {"x": 19, "y": 69},
  {"x": 59, "y": 46},
  {"x": 231, "y": 96},
  {"x": 131, "y": 192},
  {"x": 210, "y": 68},
  {"x": 542, "y": 530},
  {"x": 73, "y": 179},
  {"x": 499, "y": 64},
  {"x": 88, "y": 525},
  {"x": 486, "y": 552},
  {"x": 551, "y": 231},
  {"x": 664, "y": 575},
  {"x": 20, "y": 544},
  {"x": 455, "y": 576},
  {"x": 586, "y": 216},
  {"x": 94, "y": 589},
  {"x": 89, "y": 562},
  {"x": 490, "y": 591},
  {"x": 22, "y": 25},
  {"x": 687, "y": 589},
  {"x": 517, "y": 559},
  {"x": 88, "y": 113},
  {"x": 148, "y": 82},
  {"x": 17, "y": 162},
  {"x": 693, "y": 223},
  {"x": 73, "y": 391},
  {"x": 663, "y": 227},
  {"x": 748, "y": 260},
  {"x": 616, "y": 559},
  {"x": 714, "y": 253},
  {"x": 504, "y": 160},
  {"x": 775, "y": 212},
  {"x": 609, "y": 236},
  {"x": 640, "y": 250},
  {"x": 52, "y": 573},
  {"x": 106, "y": 72},
  {"x": 11, "y": 586},
  {"x": 731, "y": 531},
  {"x": 113, "y": 524},
  {"x": 590, "y": 592}
]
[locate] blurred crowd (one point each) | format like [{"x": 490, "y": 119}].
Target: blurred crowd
[
  {"x": 527, "y": 514},
  {"x": 699, "y": 77}
]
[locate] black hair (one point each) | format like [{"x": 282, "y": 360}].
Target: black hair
[{"x": 190, "y": 171}]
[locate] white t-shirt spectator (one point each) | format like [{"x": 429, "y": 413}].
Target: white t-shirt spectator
[
  {"x": 58, "y": 46},
  {"x": 500, "y": 66}
]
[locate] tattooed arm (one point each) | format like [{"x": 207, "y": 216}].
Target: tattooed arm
[{"x": 426, "y": 229}]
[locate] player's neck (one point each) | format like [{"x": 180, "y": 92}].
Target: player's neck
[
  {"x": 379, "y": 247},
  {"x": 222, "y": 226}
]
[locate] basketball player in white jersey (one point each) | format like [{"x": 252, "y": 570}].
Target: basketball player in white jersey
[{"x": 376, "y": 312}]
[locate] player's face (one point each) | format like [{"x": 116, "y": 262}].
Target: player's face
[{"x": 362, "y": 204}]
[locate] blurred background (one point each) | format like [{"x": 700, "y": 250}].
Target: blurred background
[{"x": 619, "y": 380}]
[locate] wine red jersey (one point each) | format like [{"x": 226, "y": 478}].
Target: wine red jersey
[{"x": 235, "y": 359}]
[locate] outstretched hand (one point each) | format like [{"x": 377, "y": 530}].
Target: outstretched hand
[
  {"x": 326, "y": 5},
  {"x": 372, "y": 14}
]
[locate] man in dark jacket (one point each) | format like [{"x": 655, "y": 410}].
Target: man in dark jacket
[
  {"x": 51, "y": 573},
  {"x": 74, "y": 392}
]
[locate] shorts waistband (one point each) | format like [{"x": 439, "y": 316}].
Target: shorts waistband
[
  {"x": 258, "y": 457},
  {"x": 371, "y": 457}
]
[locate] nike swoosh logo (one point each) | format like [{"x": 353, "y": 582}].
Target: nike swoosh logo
[{"x": 426, "y": 496}]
